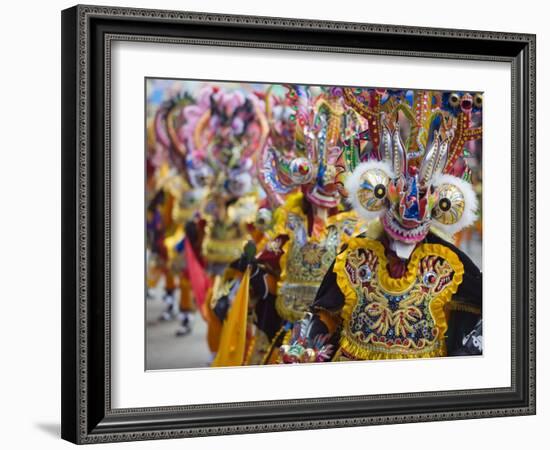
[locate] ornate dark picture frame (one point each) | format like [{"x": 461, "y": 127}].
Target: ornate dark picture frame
[{"x": 87, "y": 35}]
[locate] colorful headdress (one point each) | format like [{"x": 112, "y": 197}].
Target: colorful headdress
[
  {"x": 302, "y": 150},
  {"x": 218, "y": 137},
  {"x": 411, "y": 182}
]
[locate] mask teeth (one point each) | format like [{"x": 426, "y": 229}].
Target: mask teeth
[
  {"x": 327, "y": 201},
  {"x": 398, "y": 232}
]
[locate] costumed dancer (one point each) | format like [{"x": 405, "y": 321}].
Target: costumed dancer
[
  {"x": 184, "y": 211},
  {"x": 160, "y": 201},
  {"x": 302, "y": 166},
  {"x": 159, "y": 225},
  {"x": 216, "y": 141},
  {"x": 407, "y": 291},
  {"x": 184, "y": 202},
  {"x": 467, "y": 106}
]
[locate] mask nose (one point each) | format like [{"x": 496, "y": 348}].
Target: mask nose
[{"x": 412, "y": 209}]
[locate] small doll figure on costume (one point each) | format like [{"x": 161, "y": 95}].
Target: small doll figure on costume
[{"x": 402, "y": 289}]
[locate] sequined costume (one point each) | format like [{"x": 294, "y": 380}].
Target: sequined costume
[
  {"x": 402, "y": 290},
  {"x": 295, "y": 263},
  {"x": 174, "y": 204},
  {"x": 184, "y": 212},
  {"x": 301, "y": 171},
  {"x": 215, "y": 141}
]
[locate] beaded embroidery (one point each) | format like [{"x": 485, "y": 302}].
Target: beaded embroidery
[
  {"x": 395, "y": 318},
  {"x": 306, "y": 260}
]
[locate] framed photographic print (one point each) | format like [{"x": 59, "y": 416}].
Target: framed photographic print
[{"x": 283, "y": 224}]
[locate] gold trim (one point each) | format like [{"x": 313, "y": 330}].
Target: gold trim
[
  {"x": 454, "y": 305},
  {"x": 397, "y": 286},
  {"x": 349, "y": 350},
  {"x": 271, "y": 348},
  {"x": 294, "y": 206},
  {"x": 249, "y": 351}
]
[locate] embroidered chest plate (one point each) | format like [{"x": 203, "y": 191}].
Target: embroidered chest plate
[
  {"x": 226, "y": 233},
  {"x": 305, "y": 262},
  {"x": 396, "y": 318},
  {"x": 223, "y": 243}
]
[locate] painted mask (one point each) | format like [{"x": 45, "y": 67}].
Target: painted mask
[
  {"x": 218, "y": 138},
  {"x": 411, "y": 188},
  {"x": 302, "y": 150}
]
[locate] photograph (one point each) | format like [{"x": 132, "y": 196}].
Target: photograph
[
  {"x": 295, "y": 224},
  {"x": 280, "y": 225}
]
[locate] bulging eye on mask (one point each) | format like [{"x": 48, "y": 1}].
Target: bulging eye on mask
[
  {"x": 193, "y": 197},
  {"x": 407, "y": 207},
  {"x": 200, "y": 174},
  {"x": 239, "y": 184},
  {"x": 301, "y": 170},
  {"x": 264, "y": 219}
]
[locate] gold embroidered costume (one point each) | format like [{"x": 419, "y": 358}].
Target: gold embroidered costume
[
  {"x": 225, "y": 236},
  {"x": 306, "y": 258},
  {"x": 385, "y": 317},
  {"x": 391, "y": 296}
]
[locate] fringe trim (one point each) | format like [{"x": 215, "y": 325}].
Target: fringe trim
[
  {"x": 464, "y": 307},
  {"x": 400, "y": 285},
  {"x": 361, "y": 353},
  {"x": 249, "y": 351}
]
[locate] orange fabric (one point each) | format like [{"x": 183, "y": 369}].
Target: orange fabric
[
  {"x": 170, "y": 281},
  {"x": 233, "y": 341},
  {"x": 330, "y": 321},
  {"x": 214, "y": 326},
  {"x": 153, "y": 277},
  {"x": 186, "y": 300},
  {"x": 257, "y": 235},
  {"x": 271, "y": 283}
]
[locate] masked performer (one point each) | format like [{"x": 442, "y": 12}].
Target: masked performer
[
  {"x": 302, "y": 165},
  {"x": 162, "y": 196},
  {"x": 182, "y": 203},
  {"x": 159, "y": 226},
  {"x": 406, "y": 292},
  {"x": 466, "y": 107},
  {"x": 215, "y": 142},
  {"x": 184, "y": 211}
]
